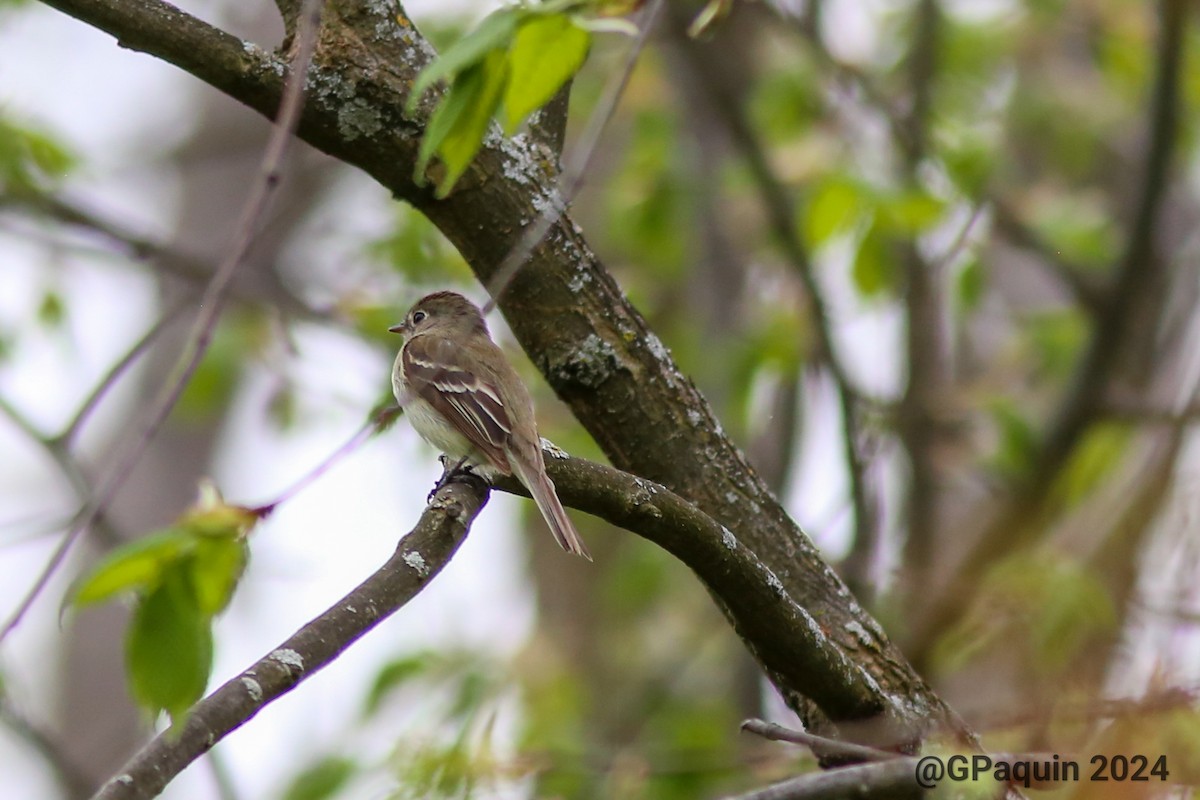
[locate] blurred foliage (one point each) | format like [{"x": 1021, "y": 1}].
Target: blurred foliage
[
  {"x": 32, "y": 160},
  {"x": 1044, "y": 606},
  {"x": 323, "y": 780},
  {"x": 239, "y": 337}
]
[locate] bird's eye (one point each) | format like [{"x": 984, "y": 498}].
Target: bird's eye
[{"x": 418, "y": 316}]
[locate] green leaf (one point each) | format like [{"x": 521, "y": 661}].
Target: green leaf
[
  {"x": 455, "y": 105},
  {"x": 395, "y": 674},
  {"x": 51, "y": 310},
  {"x": 1018, "y": 444},
  {"x": 135, "y": 566},
  {"x": 546, "y": 52},
  {"x": 494, "y": 33},
  {"x": 1057, "y": 338},
  {"x": 322, "y": 780},
  {"x": 1092, "y": 461},
  {"x": 168, "y": 648},
  {"x": 216, "y": 566},
  {"x": 970, "y": 285},
  {"x": 832, "y": 209},
  {"x": 484, "y": 83},
  {"x": 910, "y": 212},
  {"x": 874, "y": 270}
]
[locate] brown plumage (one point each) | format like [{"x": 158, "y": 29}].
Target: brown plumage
[{"x": 463, "y": 397}]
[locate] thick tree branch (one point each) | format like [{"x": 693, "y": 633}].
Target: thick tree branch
[
  {"x": 564, "y": 308},
  {"x": 787, "y": 640},
  {"x": 420, "y": 555}
]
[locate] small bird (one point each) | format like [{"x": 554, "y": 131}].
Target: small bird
[{"x": 464, "y": 398}]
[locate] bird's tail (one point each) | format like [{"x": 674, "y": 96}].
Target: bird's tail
[{"x": 541, "y": 488}]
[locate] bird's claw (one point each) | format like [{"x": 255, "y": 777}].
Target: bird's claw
[{"x": 460, "y": 469}]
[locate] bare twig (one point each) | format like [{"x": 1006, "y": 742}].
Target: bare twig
[
  {"x": 140, "y": 247},
  {"x": 881, "y": 779},
  {"x": 54, "y": 447},
  {"x": 70, "y": 775},
  {"x": 924, "y": 339},
  {"x": 376, "y": 423},
  {"x": 575, "y": 165},
  {"x": 210, "y": 302},
  {"x": 821, "y": 746},
  {"x": 67, "y": 437}
]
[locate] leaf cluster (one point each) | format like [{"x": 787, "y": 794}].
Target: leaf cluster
[
  {"x": 512, "y": 64},
  {"x": 180, "y": 578}
]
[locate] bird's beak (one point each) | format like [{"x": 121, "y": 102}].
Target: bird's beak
[{"x": 399, "y": 328}]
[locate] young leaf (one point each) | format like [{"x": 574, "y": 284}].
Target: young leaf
[
  {"x": 456, "y": 104},
  {"x": 395, "y": 674},
  {"x": 494, "y": 33},
  {"x": 831, "y": 210},
  {"x": 874, "y": 271},
  {"x": 168, "y": 648},
  {"x": 321, "y": 780},
  {"x": 546, "y": 52},
  {"x": 216, "y": 566},
  {"x": 137, "y": 565},
  {"x": 465, "y": 136}
]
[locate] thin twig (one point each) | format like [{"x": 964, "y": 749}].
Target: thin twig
[
  {"x": 54, "y": 448},
  {"x": 140, "y": 247},
  {"x": 575, "y": 165},
  {"x": 74, "y": 780},
  {"x": 210, "y": 303},
  {"x": 114, "y": 373},
  {"x": 821, "y": 746},
  {"x": 368, "y": 429}
]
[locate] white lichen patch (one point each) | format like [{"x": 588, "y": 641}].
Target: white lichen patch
[
  {"x": 728, "y": 540},
  {"x": 657, "y": 348},
  {"x": 695, "y": 418},
  {"x": 520, "y": 166},
  {"x": 580, "y": 278},
  {"x": 591, "y": 364},
  {"x": 855, "y": 629},
  {"x": 253, "y": 688},
  {"x": 417, "y": 562},
  {"x": 554, "y": 451},
  {"x": 358, "y": 118},
  {"x": 288, "y": 658},
  {"x": 814, "y": 627}
]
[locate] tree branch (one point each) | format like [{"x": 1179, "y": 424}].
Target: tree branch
[
  {"x": 564, "y": 308},
  {"x": 419, "y": 557}
]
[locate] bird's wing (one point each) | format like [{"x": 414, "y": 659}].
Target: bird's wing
[{"x": 436, "y": 371}]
